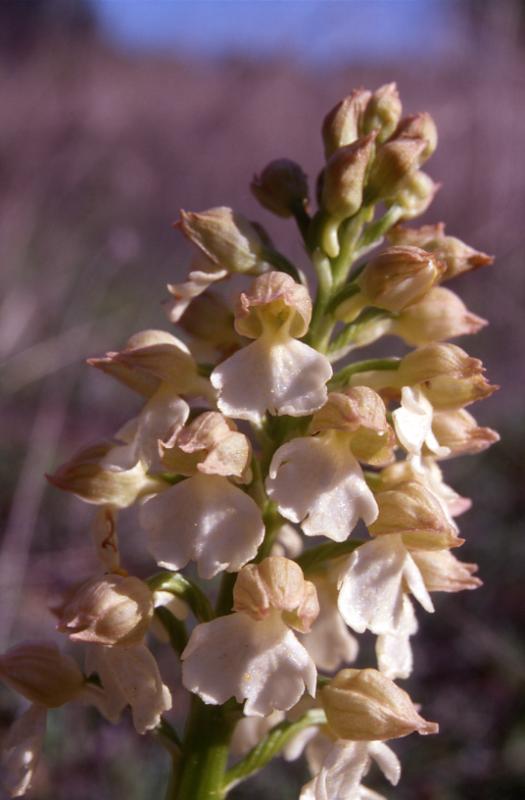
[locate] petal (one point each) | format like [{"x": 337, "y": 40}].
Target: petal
[
  {"x": 316, "y": 481},
  {"x": 276, "y": 374},
  {"x": 329, "y": 642},
  {"x": 261, "y": 662},
  {"x": 341, "y": 773},
  {"x": 386, "y": 760},
  {"x": 371, "y": 592},
  {"x": 134, "y": 673},
  {"x": 183, "y": 293},
  {"x": 413, "y": 423},
  {"x": 205, "y": 519},
  {"x": 393, "y": 650},
  {"x": 163, "y": 415},
  {"x": 22, "y": 748}
]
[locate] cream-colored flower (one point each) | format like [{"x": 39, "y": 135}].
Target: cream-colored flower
[
  {"x": 252, "y": 654},
  {"x": 345, "y": 766},
  {"x": 413, "y": 423},
  {"x": 438, "y": 315},
  {"x": 205, "y": 519},
  {"x": 159, "y": 421},
  {"x": 276, "y": 372},
  {"x": 317, "y": 482},
  {"x": 365, "y": 705},
  {"x": 203, "y": 273},
  {"x": 111, "y": 610},
  {"x": 374, "y": 582},
  {"x": 130, "y": 676},
  {"x": 329, "y": 641},
  {"x": 210, "y": 444},
  {"x": 393, "y": 650},
  {"x": 150, "y": 358}
]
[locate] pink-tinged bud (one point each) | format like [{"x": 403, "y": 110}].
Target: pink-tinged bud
[
  {"x": 383, "y": 112},
  {"x": 457, "y": 255},
  {"x": 149, "y": 358},
  {"x": 276, "y": 584},
  {"x": 397, "y": 277},
  {"x": 228, "y": 239},
  {"x": 442, "y": 572},
  {"x": 344, "y": 178},
  {"x": 282, "y": 187},
  {"x": 448, "y": 376},
  {"x": 393, "y": 162},
  {"x": 416, "y": 514},
  {"x": 361, "y": 413},
  {"x": 342, "y": 124},
  {"x": 364, "y": 705},
  {"x": 422, "y": 128},
  {"x": 41, "y": 673},
  {"x": 113, "y": 610},
  {"x": 459, "y": 431},
  {"x": 415, "y": 194},
  {"x": 437, "y": 316},
  {"x": 274, "y": 301},
  {"x": 84, "y": 476},
  {"x": 209, "y": 320},
  {"x": 210, "y": 444}
]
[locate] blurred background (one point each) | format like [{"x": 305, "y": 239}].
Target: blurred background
[{"x": 116, "y": 113}]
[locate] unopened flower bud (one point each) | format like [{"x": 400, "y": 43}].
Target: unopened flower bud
[
  {"x": 281, "y": 187},
  {"x": 41, "y": 673},
  {"x": 393, "y": 162},
  {"x": 435, "y": 317},
  {"x": 344, "y": 177},
  {"x": 459, "y": 431},
  {"x": 415, "y": 194},
  {"x": 210, "y": 444},
  {"x": 397, "y": 277},
  {"x": 421, "y": 127},
  {"x": 277, "y": 584},
  {"x": 456, "y": 255},
  {"x": 364, "y": 705},
  {"x": 113, "y": 610},
  {"x": 383, "y": 112},
  {"x": 414, "y": 512},
  {"x": 360, "y": 412},
  {"x": 150, "y": 357},
  {"x": 226, "y": 238},
  {"x": 449, "y": 377},
  {"x": 210, "y": 321},
  {"x": 342, "y": 124},
  {"x": 85, "y": 477},
  {"x": 442, "y": 572},
  {"x": 274, "y": 300}
]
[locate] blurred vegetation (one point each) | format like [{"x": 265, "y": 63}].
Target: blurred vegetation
[{"x": 98, "y": 150}]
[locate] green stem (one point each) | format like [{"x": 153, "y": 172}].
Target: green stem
[
  {"x": 342, "y": 377},
  {"x": 373, "y": 234},
  {"x": 175, "y": 629},
  {"x": 322, "y": 322},
  {"x": 205, "y": 753},
  {"x": 270, "y": 746},
  {"x": 314, "y": 558},
  {"x": 182, "y": 587}
]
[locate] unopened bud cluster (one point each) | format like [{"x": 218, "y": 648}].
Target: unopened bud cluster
[{"x": 235, "y": 461}]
